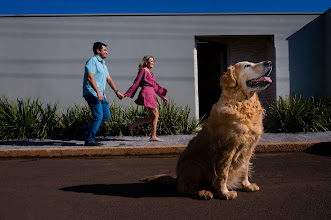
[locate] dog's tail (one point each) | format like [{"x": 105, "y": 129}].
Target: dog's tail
[{"x": 160, "y": 179}]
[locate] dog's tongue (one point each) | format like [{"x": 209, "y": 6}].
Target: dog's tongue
[{"x": 264, "y": 78}]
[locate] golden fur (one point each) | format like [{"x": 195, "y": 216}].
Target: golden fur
[{"x": 218, "y": 158}]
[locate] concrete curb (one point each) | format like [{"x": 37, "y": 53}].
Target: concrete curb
[{"x": 136, "y": 151}]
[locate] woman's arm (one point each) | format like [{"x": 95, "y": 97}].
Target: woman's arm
[{"x": 133, "y": 89}]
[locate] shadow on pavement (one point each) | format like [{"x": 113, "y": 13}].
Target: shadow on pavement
[
  {"x": 323, "y": 149},
  {"x": 112, "y": 139},
  {"x": 132, "y": 190},
  {"x": 54, "y": 142},
  {"x": 39, "y": 143}
]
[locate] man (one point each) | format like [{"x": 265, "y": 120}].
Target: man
[{"x": 95, "y": 78}]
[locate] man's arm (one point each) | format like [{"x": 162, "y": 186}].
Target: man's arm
[
  {"x": 113, "y": 86},
  {"x": 90, "y": 78}
]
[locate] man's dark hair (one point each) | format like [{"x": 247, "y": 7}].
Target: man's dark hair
[{"x": 98, "y": 45}]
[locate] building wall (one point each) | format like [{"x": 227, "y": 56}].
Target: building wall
[
  {"x": 44, "y": 56},
  {"x": 327, "y": 52},
  {"x": 306, "y": 59},
  {"x": 309, "y": 58}
]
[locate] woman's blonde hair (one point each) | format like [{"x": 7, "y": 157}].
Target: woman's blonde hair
[{"x": 142, "y": 63}]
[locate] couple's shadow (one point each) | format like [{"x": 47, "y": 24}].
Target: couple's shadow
[{"x": 132, "y": 190}]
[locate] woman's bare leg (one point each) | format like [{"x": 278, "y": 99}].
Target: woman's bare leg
[
  {"x": 137, "y": 123},
  {"x": 154, "y": 114},
  {"x": 153, "y": 118}
]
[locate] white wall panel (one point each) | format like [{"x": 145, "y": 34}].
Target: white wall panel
[{"x": 44, "y": 56}]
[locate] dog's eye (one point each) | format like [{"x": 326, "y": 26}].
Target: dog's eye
[{"x": 247, "y": 65}]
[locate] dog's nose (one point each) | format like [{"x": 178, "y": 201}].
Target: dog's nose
[{"x": 268, "y": 63}]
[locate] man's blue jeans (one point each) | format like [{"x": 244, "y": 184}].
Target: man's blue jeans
[{"x": 100, "y": 113}]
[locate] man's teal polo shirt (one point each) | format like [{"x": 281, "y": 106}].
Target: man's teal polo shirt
[{"x": 97, "y": 66}]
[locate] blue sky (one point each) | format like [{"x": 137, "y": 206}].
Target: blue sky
[{"x": 162, "y": 6}]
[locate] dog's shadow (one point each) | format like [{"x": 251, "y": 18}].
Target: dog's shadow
[{"x": 132, "y": 190}]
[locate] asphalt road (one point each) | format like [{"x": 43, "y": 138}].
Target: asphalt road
[{"x": 292, "y": 186}]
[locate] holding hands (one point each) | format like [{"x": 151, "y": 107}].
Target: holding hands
[{"x": 119, "y": 95}]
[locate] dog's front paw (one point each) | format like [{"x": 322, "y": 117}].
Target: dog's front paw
[
  {"x": 204, "y": 194},
  {"x": 228, "y": 195},
  {"x": 251, "y": 188}
]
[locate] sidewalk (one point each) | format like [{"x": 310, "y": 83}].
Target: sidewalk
[{"x": 139, "y": 146}]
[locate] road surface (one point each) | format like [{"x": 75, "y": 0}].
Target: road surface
[{"x": 292, "y": 186}]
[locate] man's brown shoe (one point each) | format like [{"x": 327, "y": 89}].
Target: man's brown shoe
[{"x": 94, "y": 143}]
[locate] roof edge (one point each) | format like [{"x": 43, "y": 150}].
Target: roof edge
[{"x": 159, "y": 14}]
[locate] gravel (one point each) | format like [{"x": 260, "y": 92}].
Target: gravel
[{"x": 144, "y": 141}]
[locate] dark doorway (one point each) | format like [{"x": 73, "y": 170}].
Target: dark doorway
[
  {"x": 216, "y": 53},
  {"x": 211, "y": 65}
]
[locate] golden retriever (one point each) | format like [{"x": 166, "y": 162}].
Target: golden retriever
[{"x": 217, "y": 160}]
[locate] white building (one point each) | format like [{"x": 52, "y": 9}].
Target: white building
[{"x": 43, "y": 56}]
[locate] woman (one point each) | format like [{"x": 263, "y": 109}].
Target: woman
[{"x": 147, "y": 98}]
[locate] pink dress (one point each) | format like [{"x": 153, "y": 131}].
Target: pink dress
[{"x": 149, "y": 86}]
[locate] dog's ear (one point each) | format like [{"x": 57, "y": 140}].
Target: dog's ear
[{"x": 228, "y": 79}]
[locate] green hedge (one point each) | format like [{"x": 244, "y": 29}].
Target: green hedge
[
  {"x": 300, "y": 115},
  {"x": 28, "y": 119}
]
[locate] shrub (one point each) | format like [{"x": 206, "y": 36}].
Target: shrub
[
  {"x": 72, "y": 119},
  {"x": 299, "y": 115},
  {"x": 173, "y": 120},
  {"x": 27, "y": 119}
]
